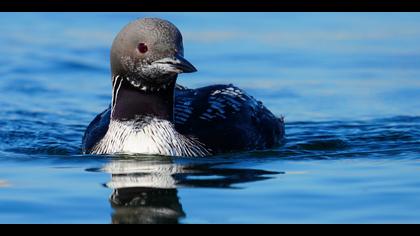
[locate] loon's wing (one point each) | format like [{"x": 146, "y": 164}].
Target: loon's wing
[
  {"x": 226, "y": 119},
  {"x": 96, "y": 130}
]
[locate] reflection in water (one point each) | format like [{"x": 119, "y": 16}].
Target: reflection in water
[
  {"x": 145, "y": 190},
  {"x": 146, "y": 206}
]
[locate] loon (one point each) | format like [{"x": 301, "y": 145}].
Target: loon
[{"x": 151, "y": 114}]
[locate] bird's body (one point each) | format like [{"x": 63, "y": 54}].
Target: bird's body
[
  {"x": 150, "y": 114},
  {"x": 208, "y": 120}
]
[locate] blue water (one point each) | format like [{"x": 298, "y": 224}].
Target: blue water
[{"x": 348, "y": 85}]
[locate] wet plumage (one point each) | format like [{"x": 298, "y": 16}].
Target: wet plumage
[{"x": 223, "y": 117}]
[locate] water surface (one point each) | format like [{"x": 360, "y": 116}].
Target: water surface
[{"x": 347, "y": 83}]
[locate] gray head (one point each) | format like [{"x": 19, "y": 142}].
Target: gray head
[{"x": 149, "y": 53}]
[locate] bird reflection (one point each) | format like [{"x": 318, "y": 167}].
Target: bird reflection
[{"x": 145, "y": 189}]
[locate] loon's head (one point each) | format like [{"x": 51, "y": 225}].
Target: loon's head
[{"x": 149, "y": 54}]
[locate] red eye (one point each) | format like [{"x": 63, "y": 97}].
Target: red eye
[{"x": 142, "y": 48}]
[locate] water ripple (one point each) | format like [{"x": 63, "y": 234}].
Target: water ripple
[{"x": 30, "y": 132}]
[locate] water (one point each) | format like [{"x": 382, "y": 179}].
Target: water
[{"x": 347, "y": 83}]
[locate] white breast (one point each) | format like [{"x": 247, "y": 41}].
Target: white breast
[{"x": 147, "y": 136}]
